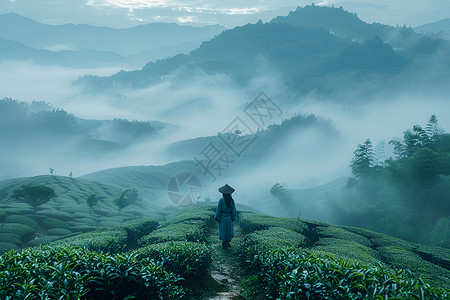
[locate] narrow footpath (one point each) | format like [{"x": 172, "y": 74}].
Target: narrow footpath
[{"x": 225, "y": 266}]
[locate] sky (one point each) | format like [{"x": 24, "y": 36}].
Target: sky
[{"x": 231, "y": 13}]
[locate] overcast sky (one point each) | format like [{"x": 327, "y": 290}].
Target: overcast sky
[{"x": 230, "y": 13}]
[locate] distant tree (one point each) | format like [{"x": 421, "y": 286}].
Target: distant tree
[
  {"x": 92, "y": 201},
  {"x": 70, "y": 174},
  {"x": 127, "y": 198},
  {"x": 399, "y": 148},
  {"x": 378, "y": 153},
  {"x": 35, "y": 195},
  {"x": 208, "y": 199},
  {"x": 362, "y": 161},
  {"x": 433, "y": 129},
  {"x": 52, "y": 171},
  {"x": 282, "y": 194}
]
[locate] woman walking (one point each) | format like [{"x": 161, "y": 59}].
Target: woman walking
[{"x": 225, "y": 215}]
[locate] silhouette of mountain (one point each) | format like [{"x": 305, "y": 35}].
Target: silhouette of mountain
[
  {"x": 132, "y": 41},
  {"x": 438, "y": 29}
]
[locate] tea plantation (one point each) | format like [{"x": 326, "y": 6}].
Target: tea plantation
[{"x": 171, "y": 257}]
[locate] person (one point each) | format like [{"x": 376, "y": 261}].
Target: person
[{"x": 225, "y": 215}]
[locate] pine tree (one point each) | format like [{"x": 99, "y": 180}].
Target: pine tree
[{"x": 362, "y": 161}]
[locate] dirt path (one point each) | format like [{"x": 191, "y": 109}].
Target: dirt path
[{"x": 225, "y": 266}]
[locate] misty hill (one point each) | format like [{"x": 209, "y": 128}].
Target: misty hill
[
  {"x": 13, "y": 51},
  {"x": 291, "y": 136},
  {"x": 145, "y": 42},
  {"x": 150, "y": 181},
  {"x": 309, "y": 56},
  {"x": 46, "y": 136},
  {"x": 439, "y": 28}
]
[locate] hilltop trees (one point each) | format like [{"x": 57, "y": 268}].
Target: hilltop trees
[
  {"x": 362, "y": 162},
  {"x": 35, "y": 195},
  {"x": 407, "y": 195}
]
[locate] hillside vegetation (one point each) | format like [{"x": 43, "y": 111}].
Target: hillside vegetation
[
  {"x": 65, "y": 214},
  {"x": 169, "y": 258}
]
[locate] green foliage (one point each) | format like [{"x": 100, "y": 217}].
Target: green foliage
[
  {"x": 55, "y": 223},
  {"x": 7, "y": 246},
  {"x": 35, "y": 195},
  {"x": 340, "y": 233},
  {"x": 204, "y": 213},
  {"x": 192, "y": 231},
  {"x": 53, "y": 213},
  {"x": 296, "y": 273},
  {"x": 10, "y": 238},
  {"x": 106, "y": 241},
  {"x": 74, "y": 273},
  {"x": 59, "y": 231},
  {"x": 127, "y": 198},
  {"x": 283, "y": 195},
  {"x": 362, "y": 161},
  {"x": 92, "y": 201},
  {"x": 250, "y": 222},
  {"x": 23, "y": 231},
  {"x": 405, "y": 196},
  {"x": 21, "y": 219},
  {"x": 186, "y": 259},
  {"x": 139, "y": 228},
  {"x": 263, "y": 240},
  {"x": 3, "y": 194},
  {"x": 347, "y": 249}
]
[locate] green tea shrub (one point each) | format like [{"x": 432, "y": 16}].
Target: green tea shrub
[
  {"x": 7, "y": 246},
  {"x": 77, "y": 273},
  {"x": 263, "y": 240},
  {"x": 138, "y": 228},
  {"x": 348, "y": 249},
  {"x": 23, "y": 231},
  {"x": 340, "y": 233},
  {"x": 55, "y": 223},
  {"x": 186, "y": 259},
  {"x": 53, "y": 213},
  {"x": 106, "y": 241},
  {"x": 204, "y": 213},
  {"x": 3, "y": 214},
  {"x": 59, "y": 231},
  {"x": 10, "y": 238},
  {"x": 300, "y": 274},
  {"x": 193, "y": 231},
  {"x": 21, "y": 219},
  {"x": 250, "y": 222}
]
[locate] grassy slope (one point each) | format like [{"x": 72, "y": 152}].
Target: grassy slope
[
  {"x": 64, "y": 215},
  {"x": 150, "y": 181}
]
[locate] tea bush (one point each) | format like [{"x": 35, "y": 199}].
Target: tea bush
[
  {"x": 298, "y": 274},
  {"x": 59, "y": 231},
  {"x": 75, "y": 272},
  {"x": 186, "y": 259},
  {"x": 106, "y": 241},
  {"x": 55, "y": 223},
  {"x": 193, "y": 231},
  {"x": 272, "y": 238},
  {"x": 204, "y": 213},
  {"x": 23, "y": 231},
  {"x": 250, "y": 222},
  {"x": 21, "y": 219}
]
